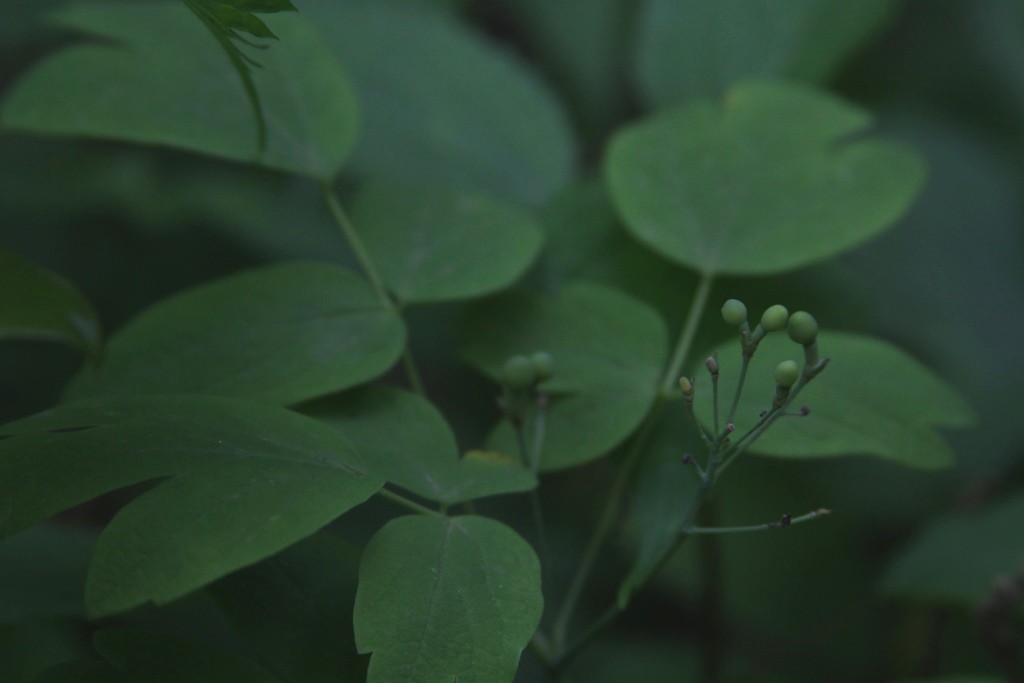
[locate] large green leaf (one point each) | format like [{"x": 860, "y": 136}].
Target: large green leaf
[
  {"x": 434, "y": 244},
  {"x": 692, "y": 48},
  {"x": 446, "y": 599},
  {"x": 245, "y": 481},
  {"x": 872, "y": 399},
  {"x": 295, "y": 610},
  {"x": 957, "y": 558},
  {"x": 36, "y": 303},
  {"x": 155, "y": 75},
  {"x": 440, "y": 102},
  {"x": 161, "y": 658},
  {"x": 405, "y": 440},
  {"x": 43, "y": 572},
  {"x": 279, "y": 334},
  {"x": 608, "y": 349},
  {"x": 764, "y": 181}
]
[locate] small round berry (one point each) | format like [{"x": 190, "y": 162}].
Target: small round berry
[
  {"x": 774, "y": 318},
  {"x": 543, "y": 365},
  {"x": 802, "y": 328},
  {"x": 786, "y": 374},
  {"x": 518, "y": 373},
  {"x": 734, "y": 312}
]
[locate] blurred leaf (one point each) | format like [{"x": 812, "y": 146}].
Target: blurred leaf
[
  {"x": 225, "y": 19},
  {"x": 956, "y": 679},
  {"x": 406, "y": 441},
  {"x": 691, "y": 48},
  {"x": 83, "y": 671},
  {"x": 433, "y": 244},
  {"x": 662, "y": 490},
  {"x": 153, "y": 75},
  {"x": 43, "y": 572},
  {"x": 280, "y": 334},
  {"x": 36, "y": 303},
  {"x": 872, "y": 399},
  {"x": 444, "y": 599},
  {"x": 28, "y": 648},
  {"x": 440, "y": 102},
  {"x": 608, "y": 349},
  {"x": 661, "y": 657},
  {"x": 246, "y": 480},
  {"x": 295, "y": 610},
  {"x": 162, "y": 658},
  {"x": 956, "y": 558},
  {"x": 763, "y": 182}
]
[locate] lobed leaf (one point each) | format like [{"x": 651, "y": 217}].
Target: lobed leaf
[
  {"x": 444, "y": 599},
  {"x": 405, "y": 440},
  {"x": 279, "y": 334},
  {"x": 440, "y": 102},
  {"x": 36, "y": 303},
  {"x": 435, "y": 244},
  {"x": 872, "y": 399},
  {"x": 152, "y": 74},
  {"x": 244, "y": 480},
  {"x": 608, "y": 349},
  {"x": 772, "y": 178}
]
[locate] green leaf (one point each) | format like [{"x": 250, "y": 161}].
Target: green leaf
[
  {"x": 295, "y": 610},
  {"x": 405, "y": 440},
  {"x": 660, "y": 495},
  {"x": 872, "y": 399},
  {"x": 29, "y": 648},
  {"x": 43, "y": 572},
  {"x": 957, "y": 558},
  {"x": 154, "y": 75},
  {"x": 435, "y": 244},
  {"x": 246, "y": 480},
  {"x": 279, "y": 334},
  {"x": 36, "y": 303},
  {"x": 765, "y": 181},
  {"x": 608, "y": 349},
  {"x": 446, "y": 599},
  {"x": 440, "y": 102},
  {"x": 691, "y": 48},
  {"x": 159, "y": 657},
  {"x": 83, "y": 671}
]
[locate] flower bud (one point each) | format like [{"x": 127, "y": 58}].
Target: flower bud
[
  {"x": 774, "y": 318},
  {"x": 786, "y": 374},
  {"x": 543, "y": 365},
  {"x": 802, "y": 328},
  {"x": 518, "y": 373},
  {"x": 734, "y": 312}
]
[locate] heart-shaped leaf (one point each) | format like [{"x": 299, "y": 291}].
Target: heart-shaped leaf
[
  {"x": 246, "y": 480},
  {"x": 956, "y": 559},
  {"x": 872, "y": 399},
  {"x": 608, "y": 350},
  {"x": 155, "y": 75},
  {"x": 765, "y": 181},
  {"x": 280, "y": 334},
  {"x": 439, "y": 102},
  {"x": 36, "y": 303},
  {"x": 436, "y": 244},
  {"x": 405, "y": 440},
  {"x": 295, "y": 610},
  {"x": 446, "y": 599},
  {"x": 692, "y": 48}
]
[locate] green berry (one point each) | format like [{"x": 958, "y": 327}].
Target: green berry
[
  {"x": 802, "y": 328},
  {"x": 518, "y": 373},
  {"x": 774, "y": 319},
  {"x": 786, "y": 374},
  {"x": 543, "y": 365},
  {"x": 734, "y": 312}
]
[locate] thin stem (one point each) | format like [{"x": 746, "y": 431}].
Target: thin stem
[
  {"x": 406, "y": 503},
  {"x": 744, "y": 364},
  {"x": 709, "y": 607},
  {"x": 714, "y": 401},
  {"x": 610, "y": 512},
  {"x": 700, "y": 301},
  {"x": 366, "y": 263},
  {"x": 780, "y": 524}
]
